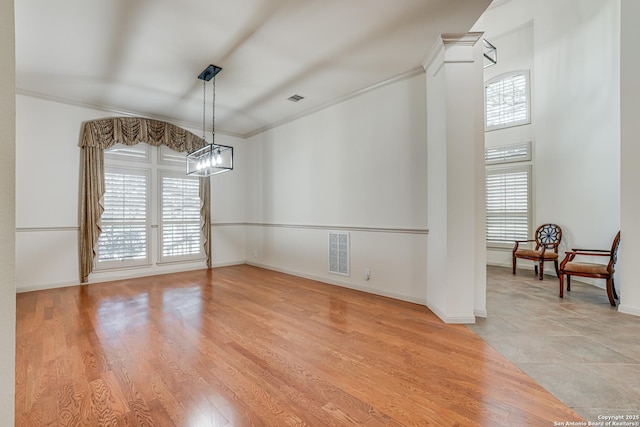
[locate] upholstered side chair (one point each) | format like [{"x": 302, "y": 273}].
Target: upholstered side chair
[
  {"x": 547, "y": 239},
  {"x": 570, "y": 267}
]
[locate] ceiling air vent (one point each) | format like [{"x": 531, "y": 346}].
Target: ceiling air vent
[{"x": 295, "y": 98}]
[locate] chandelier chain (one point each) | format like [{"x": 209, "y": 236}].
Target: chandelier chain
[
  {"x": 204, "y": 109},
  {"x": 213, "y": 113}
]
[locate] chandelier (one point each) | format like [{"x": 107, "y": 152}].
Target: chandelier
[{"x": 213, "y": 158}]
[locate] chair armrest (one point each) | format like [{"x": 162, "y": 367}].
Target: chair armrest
[
  {"x": 517, "y": 243},
  {"x": 600, "y": 253},
  {"x": 590, "y": 250},
  {"x": 570, "y": 255}
]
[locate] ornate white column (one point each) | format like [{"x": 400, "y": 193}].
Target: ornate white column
[{"x": 456, "y": 257}]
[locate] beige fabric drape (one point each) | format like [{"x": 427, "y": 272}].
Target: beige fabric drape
[
  {"x": 98, "y": 135},
  {"x": 205, "y": 214},
  {"x": 91, "y": 208}
]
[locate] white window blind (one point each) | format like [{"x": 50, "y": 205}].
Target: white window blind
[
  {"x": 520, "y": 152},
  {"x": 508, "y": 205},
  {"x": 180, "y": 232},
  {"x": 507, "y": 100},
  {"x": 125, "y": 227}
]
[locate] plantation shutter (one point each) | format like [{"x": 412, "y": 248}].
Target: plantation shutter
[
  {"x": 125, "y": 231},
  {"x": 507, "y": 101},
  {"x": 508, "y": 154},
  {"x": 508, "y": 205},
  {"x": 180, "y": 217}
]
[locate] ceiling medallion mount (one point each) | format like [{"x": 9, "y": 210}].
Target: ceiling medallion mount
[{"x": 209, "y": 72}]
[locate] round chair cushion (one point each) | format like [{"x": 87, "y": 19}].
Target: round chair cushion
[
  {"x": 585, "y": 268},
  {"x": 530, "y": 253}
]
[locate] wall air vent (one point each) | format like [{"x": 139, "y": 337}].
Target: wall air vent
[
  {"x": 295, "y": 98},
  {"x": 339, "y": 253}
]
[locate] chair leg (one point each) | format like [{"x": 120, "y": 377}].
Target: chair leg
[
  {"x": 535, "y": 268},
  {"x": 568, "y": 283},
  {"x": 561, "y": 278},
  {"x": 613, "y": 288},
  {"x": 555, "y": 263},
  {"x": 612, "y": 301},
  {"x": 541, "y": 269},
  {"x": 513, "y": 263}
]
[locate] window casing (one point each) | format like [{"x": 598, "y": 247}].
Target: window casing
[
  {"x": 507, "y": 100},
  {"x": 172, "y": 216},
  {"x": 508, "y": 195}
]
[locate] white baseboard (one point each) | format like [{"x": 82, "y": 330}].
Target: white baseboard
[
  {"x": 450, "y": 319},
  {"x": 626, "y": 309},
  {"x": 340, "y": 283},
  {"x": 480, "y": 313},
  {"x": 228, "y": 264},
  {"x": 45, "y": 287}
]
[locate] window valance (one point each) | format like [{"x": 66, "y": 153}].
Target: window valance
[{"x": 104, "y": 133}]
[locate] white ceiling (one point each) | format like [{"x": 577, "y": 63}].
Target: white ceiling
[{"x": 143, "y": 56}]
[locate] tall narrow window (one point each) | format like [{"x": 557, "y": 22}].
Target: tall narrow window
[
  {"x": 506, "y": 100},
  {"x": 124, "y": 240},
  {"x": 508, "y": 194},
  {"x": 508, "y": 205},
  {"x": 180, "y": 224}
]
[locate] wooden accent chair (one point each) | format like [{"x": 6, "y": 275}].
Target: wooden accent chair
[
  {"x": 569, "y": 268},
  {"x": 547, "y": 238}
]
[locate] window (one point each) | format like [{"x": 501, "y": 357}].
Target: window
[
  {"x": 180, "y": 234},
  {"x": 124, "y": 240},
  {"x": 506, "y": 100},
  {"x": 508, "y": 195},
  {"x": 148, "y": 198}
]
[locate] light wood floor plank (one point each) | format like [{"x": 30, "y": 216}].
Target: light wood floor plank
[{"x": 241, "y": 345}]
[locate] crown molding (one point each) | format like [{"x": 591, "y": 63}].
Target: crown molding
[
  {"x": 119, "y": 111},
  {"x": 406, "y": 75}
]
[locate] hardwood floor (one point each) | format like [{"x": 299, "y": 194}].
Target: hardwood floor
[{"x": 243, "y": 346}]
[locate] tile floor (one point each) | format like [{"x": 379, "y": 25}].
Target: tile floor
[{"x": 579, "y": 348}]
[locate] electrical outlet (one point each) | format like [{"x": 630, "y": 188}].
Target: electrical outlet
[
  {"x": 255, "y": 253},
  {"x": 367, "y": 274}
]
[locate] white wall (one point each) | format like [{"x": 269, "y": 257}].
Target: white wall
[
  {"x": 7, "y": 213},
  {"x": 572, "y": 48},
  {"x": 228, "y": 205},
  {"x": 47, "y": 198},
  {"x": 630, "y": 158},
  {"x": 360, "y": 164}
]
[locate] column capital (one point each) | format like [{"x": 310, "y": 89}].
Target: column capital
[
  {"x": 461, "y": 39},
  {"x": 453, "y": 48}
]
